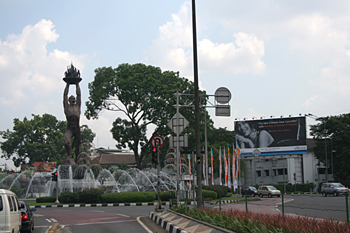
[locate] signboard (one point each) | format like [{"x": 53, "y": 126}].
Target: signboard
[
  {"x": 157, "y": 140},
  {"x": 45, "y": 166},
  {"x": 272, "y": 136},
  {"x": 178, "y": 125}
]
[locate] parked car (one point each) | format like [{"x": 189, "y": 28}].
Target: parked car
[
  {"x": 268, "y": 191},
  {"x": 249, "y": 190},
  {"x": 334, "y": 189},
  {"x": 27, "y": 217},
  {"x": 10, "y": 214}
]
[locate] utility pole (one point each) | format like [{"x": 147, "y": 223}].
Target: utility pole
[{"x": 196, "y": 108}]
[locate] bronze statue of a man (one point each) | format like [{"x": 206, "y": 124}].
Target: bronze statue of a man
[{"x": 72, "y": 110}]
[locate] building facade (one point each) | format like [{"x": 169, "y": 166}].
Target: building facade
[{"x": 289, "y": 169}]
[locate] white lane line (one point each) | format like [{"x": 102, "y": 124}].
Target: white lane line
[{"x": 143, "y": 225}]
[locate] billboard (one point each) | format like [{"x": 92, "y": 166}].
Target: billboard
[{"x": 272, "y": 136}]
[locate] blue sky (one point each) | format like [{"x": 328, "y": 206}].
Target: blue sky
[{"x": 277, "y": 58}]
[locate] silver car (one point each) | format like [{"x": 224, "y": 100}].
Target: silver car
[
  {"x": 268, "y": 191},
  {"x": 334, "y": 189}
]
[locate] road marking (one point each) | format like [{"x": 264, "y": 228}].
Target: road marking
[
  {"x": 53, "y": 220},
  {"x": 124, "y": 215},
  {"x": 143, "y": 225}
]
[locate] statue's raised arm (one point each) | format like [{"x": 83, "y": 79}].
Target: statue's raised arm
[
  {"x": 65, "y": 96},
  {"x": 78, "y": 95}
]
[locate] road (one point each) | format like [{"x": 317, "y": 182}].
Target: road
[
  {"x": 124, "y": 219},
  {"x": 317, "y": 206},
  {"x": 95, "y": 219},
  {"x": 305, "y": 205}
]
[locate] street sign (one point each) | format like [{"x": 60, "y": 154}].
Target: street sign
[
  {"x": 157, "y": 140},
  {"x": 182, "y": 124},
  {"x": 183, "y": 141},
  {"x": 222, "y": 95}
]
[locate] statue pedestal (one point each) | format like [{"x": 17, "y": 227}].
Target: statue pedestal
[{"x": 68, "y": 161}]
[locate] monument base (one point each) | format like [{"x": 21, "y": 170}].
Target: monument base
[{"x": 68, "y": 161}]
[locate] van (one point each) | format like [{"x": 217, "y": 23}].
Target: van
[
  {"x": 334, "y": 189},
  {"x": 10, "y": 212}
]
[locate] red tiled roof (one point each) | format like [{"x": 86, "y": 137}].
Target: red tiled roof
[{"x": 117, "y": 158}]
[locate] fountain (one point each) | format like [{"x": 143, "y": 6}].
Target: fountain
[{"x": 29, "y": 184}]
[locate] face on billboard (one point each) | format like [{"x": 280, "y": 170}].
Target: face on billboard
[{"x": 272, "y": 136}]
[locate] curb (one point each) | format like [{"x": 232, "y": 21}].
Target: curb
[
  {"x": 164, "y": 224},
  {"x": 138, "y": 204},
  {"x": 100, "y": 205},
  {"x": 171, "y": 228}
]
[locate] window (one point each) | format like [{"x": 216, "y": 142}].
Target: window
[
  {"x": 1, "y": 204},
  {"x": 19, "y": 206},
  {"x": 10, "y": 203},
  {"x": 14, "y": 203},
  {"x": 267, "y": 172},
  {"x": 258, "y": 173},
  {"x": 280, "y": 171}
]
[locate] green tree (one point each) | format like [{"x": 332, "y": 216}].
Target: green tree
[
  {"x": 336, "y": 130},
  {"x": 38, "y": 139},
  {"x": 145, "y": 95}
]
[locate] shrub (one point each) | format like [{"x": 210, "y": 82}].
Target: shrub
[
  {"x": 91, "y": 196},
  {"x": 243, "y": 221},
  {"x": 165, "y": 196},
  {"x": 46, "y": 199},
  {"x": 209, "y": 195},
  {"x": 219, "y": 189},
  {"x": 68, "y": 197}
]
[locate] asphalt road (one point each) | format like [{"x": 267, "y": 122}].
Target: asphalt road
[
  {"x": 134, "y": 218},
  {"x": 96, "y": 219},
  {"x": 305, "y": 205},
  {"x": 316, "y": 206}
]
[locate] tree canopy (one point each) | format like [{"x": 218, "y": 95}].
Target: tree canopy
[
  {"x": 145, "y": 95},
  {"x": 37, "y": 140},
  {"x": 336, "y": 130}
]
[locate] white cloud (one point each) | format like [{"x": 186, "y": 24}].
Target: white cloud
[
  {"x": 26, "y": 67},
  {"x": 309, "y": 103},
  {"x": 243, "y": 56},
  {"x": 317, "y": 33},
  {"x": 172, "y": 50}
]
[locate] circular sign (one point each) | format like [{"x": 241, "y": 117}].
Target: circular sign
[
  {"x": 256, "y": 152},
  {"x": 222, "y": 95},
  {"x": 157, "y": 140}
]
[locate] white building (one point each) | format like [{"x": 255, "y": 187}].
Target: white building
[{"x": 290, "y": 169}]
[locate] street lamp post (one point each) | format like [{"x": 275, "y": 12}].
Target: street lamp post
[{"x": 325, "y": 140}]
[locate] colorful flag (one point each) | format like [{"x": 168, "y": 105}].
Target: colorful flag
[
  {"x": 220, "y": 166},
  {"x": 225, "y": 159},
  {"x": 228, "y": 166},
  {"x": 212, "y": 167},
  {"x": 234, "y": 168},
  {"x": 238, "y": 149}
]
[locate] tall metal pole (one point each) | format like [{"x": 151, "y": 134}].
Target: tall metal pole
[
  {"x": 177, "y": 150},
  {"x": 196, "y": 108},
  {"x": 325, "y": 149},
  {"x": 159, "y": 208},
  {"x": 206, "y": 147}
]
